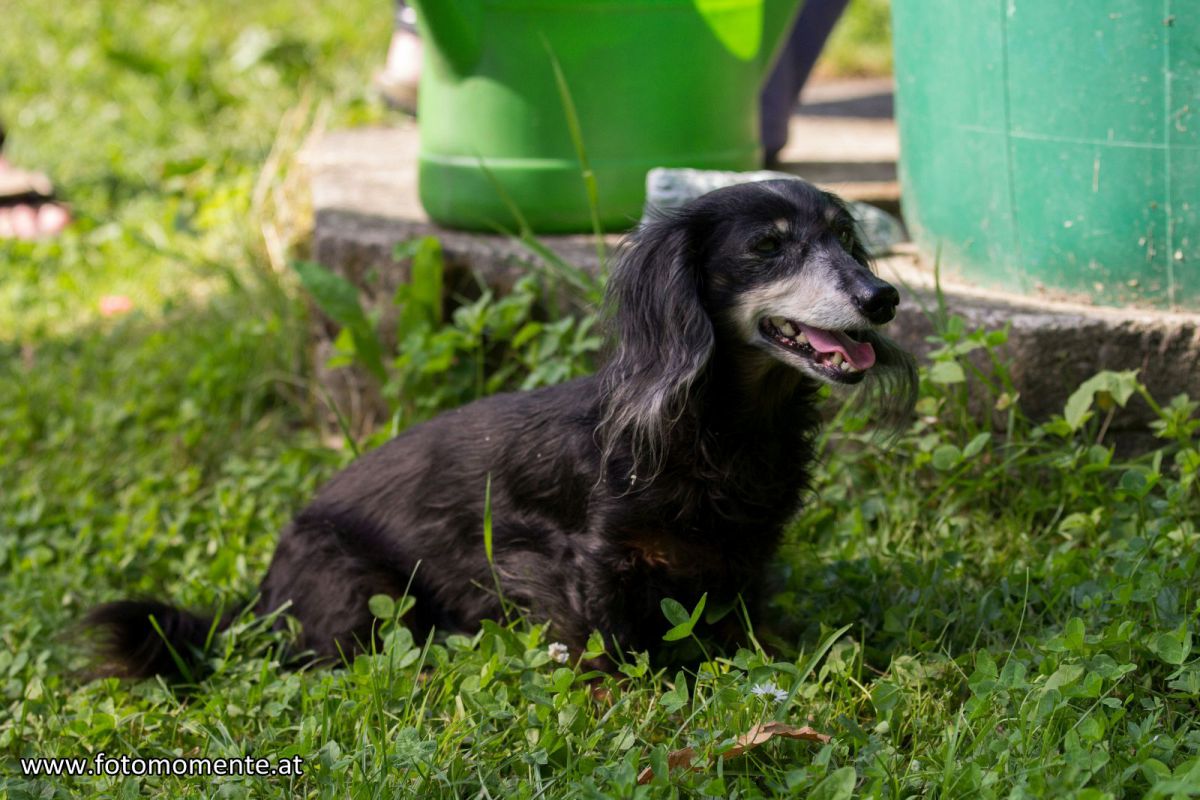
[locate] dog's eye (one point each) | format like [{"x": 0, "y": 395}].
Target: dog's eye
[
  {"x": 846, "y": 237},
  {"x": 767, "y": 245}
]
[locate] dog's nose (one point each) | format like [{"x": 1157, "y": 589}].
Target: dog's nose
[{"x": 878, "y": 302}]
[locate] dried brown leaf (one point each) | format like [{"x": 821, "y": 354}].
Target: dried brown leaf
[
  {"x": 675, "y": 759},
  {"x": 755, "y": 737},
  {"x": 765, "y": 732}
]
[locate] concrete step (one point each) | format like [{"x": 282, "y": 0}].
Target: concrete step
[
  {"x": 1054, "y": 345},
  {"x": 365, "y": 202}
]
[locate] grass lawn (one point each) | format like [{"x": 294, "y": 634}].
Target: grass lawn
[
  {"x": 969, "y": 613},
  {"x": 861, "y": 43}
]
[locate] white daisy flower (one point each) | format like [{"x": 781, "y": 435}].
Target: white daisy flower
[
  {"x": 559, "y": 652},
  {"x": 769, "y": 690}
]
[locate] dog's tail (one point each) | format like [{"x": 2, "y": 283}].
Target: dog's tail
[{"x": 144, "y": 638}]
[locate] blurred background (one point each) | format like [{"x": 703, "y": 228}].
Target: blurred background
[{"x": 171, "y": 130}]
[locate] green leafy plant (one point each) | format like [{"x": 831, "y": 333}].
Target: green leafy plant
[{"x": 489, "y": 344}]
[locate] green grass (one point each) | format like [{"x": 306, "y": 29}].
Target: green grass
[
  {"x": 861, "y": 44},
  {"x": 966, "y": 614}
]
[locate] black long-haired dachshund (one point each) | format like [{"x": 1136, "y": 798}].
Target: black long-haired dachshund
[{"x": 670, "y": 473}]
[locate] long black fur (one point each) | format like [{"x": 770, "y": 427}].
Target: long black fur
[
  {"x": 131, "y": 646},
  {"x": 670, "y": 473}
]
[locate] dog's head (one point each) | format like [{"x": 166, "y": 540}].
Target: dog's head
[
  {"x": 783, "y": 270},
  {"x": 772, "y": 272}
]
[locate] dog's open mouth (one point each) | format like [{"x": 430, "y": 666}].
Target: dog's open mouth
[{"x": 837, "y": 354}]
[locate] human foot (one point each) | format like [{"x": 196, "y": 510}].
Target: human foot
[
  {"x": 28, "y": 209},
  {"x": 401, "y": 73}
]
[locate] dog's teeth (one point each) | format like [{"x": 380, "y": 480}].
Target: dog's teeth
[
  {"x": 836, "y": 359},
  {"x": 788, "y": 329},
  {"x": 801, "y": 338}
]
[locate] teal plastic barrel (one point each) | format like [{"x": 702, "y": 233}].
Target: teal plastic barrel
[
  {"x": 653, "y": 83},
  {"x": 1054, "y": 144}
]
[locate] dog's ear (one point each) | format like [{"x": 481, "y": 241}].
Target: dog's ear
[{"x": 664, "y": 339}]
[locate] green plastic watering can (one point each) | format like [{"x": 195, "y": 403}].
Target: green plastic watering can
[{"x": 555, "y": 110}]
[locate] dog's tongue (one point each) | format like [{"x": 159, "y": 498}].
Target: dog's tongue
[{"x": 860, "y": 355}]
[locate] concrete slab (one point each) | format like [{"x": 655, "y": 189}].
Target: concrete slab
[
  {"x": 364, "y": 197},
  {"x": 364, "y": 185},
  {"x": 843, "y": 136},
  {"x": 1054, "y": 345}
]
